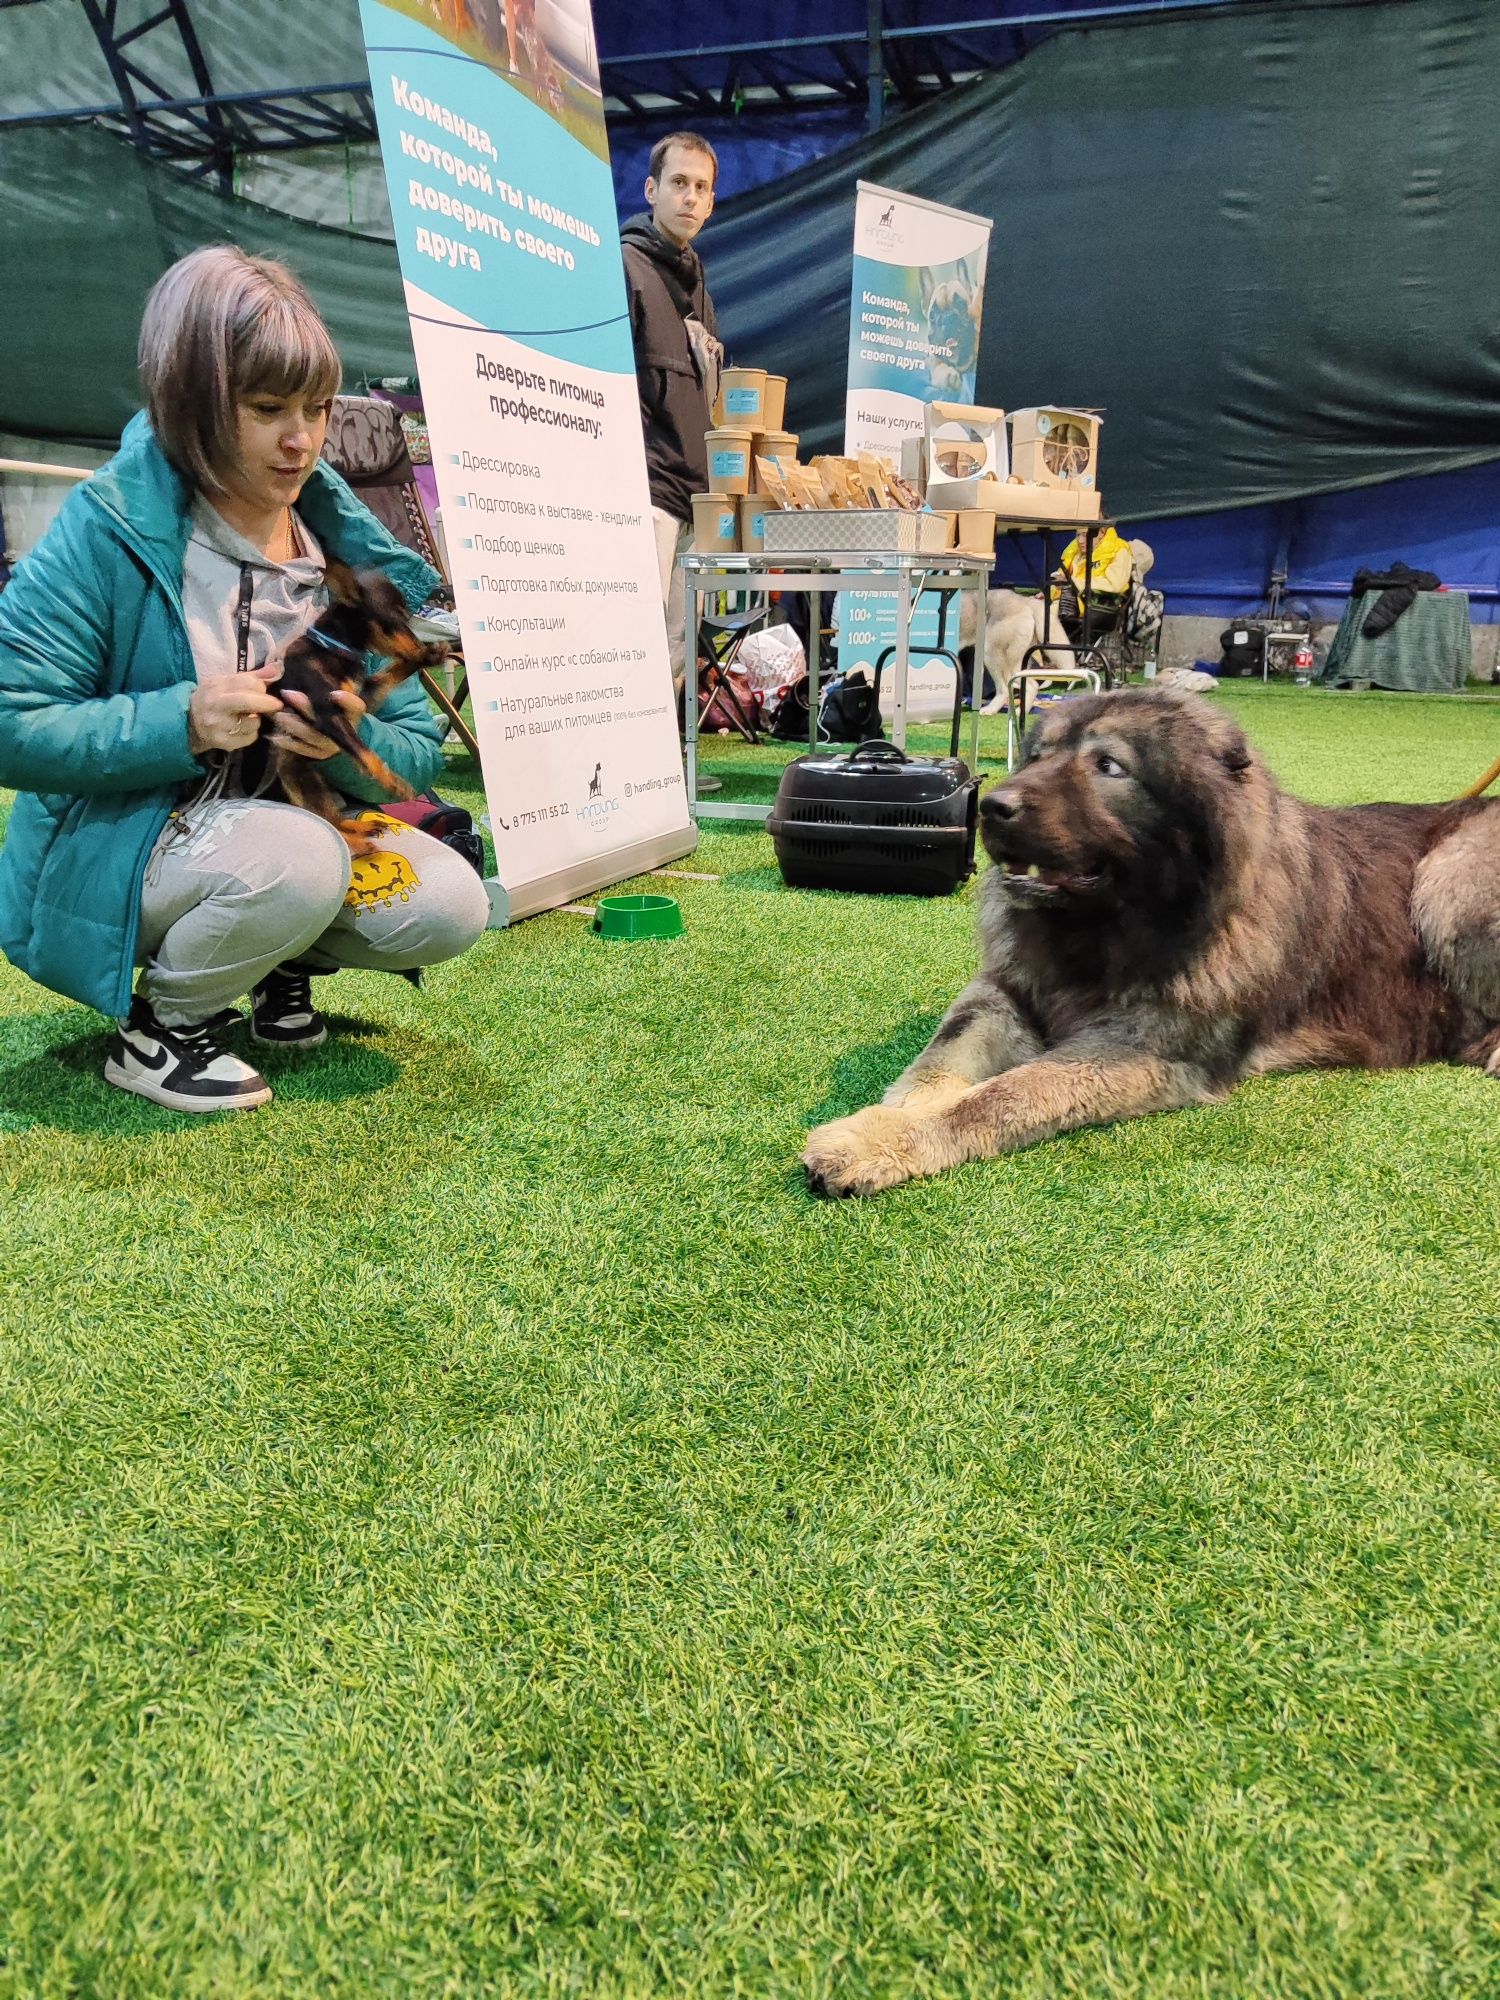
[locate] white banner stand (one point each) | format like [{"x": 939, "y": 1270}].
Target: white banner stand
[
  {"x": 914, "y": 314},
  {"x": 504, "y": 213}
]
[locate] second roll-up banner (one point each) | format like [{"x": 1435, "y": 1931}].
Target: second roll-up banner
[
  {"x": 498, "y": 168},
  {"x": 919, "y": 271}
]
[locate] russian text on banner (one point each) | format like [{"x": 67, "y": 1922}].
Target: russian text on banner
[{"x": 492, "y": 132}]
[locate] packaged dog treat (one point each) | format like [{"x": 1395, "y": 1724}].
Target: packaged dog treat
[
  {"x": 804, "y": 486},
  {"x": 855, "y": 491},
  {"x": 771, "y": 481},
  {"x": 902, "y": 493},
  {"x": 873, "y": 477},
  {"x": 840, "y": 481}
]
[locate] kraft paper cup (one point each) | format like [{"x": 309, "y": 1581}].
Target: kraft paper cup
[
  {"x": 742, "y": 394},
  {"x": 773, "y": 408},
  {"x": 772, "y": 444},
  {"x": 753, "y": 507},
  {"x": 976, "y": 532},
  {"x": 715, "y": 523},
  {"x": 728, "y": 460}
]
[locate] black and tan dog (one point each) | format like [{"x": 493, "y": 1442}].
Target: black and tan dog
[
  {"x": 366, "y": 614},
  {"x": 1161, "y": 921}
]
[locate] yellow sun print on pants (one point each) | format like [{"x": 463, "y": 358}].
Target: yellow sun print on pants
[{"x": 384, "y": 877}]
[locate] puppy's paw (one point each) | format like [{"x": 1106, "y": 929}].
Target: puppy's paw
[{"x": 864, "y": 1154}]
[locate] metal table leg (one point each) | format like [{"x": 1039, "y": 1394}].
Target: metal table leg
[
  {"x": 814, "y": 662},
  {"x": 690, "y": 684},
  {"x": 903, "y": 662},
  {"x": 976, "y": 689}
]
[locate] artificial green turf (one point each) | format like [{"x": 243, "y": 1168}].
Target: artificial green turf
[{"x": 478, "y": 1527}]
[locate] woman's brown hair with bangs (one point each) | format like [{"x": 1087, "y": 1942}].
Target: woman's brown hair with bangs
[{"x": 220, "y": 327}]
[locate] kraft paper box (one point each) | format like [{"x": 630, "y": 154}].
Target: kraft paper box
[
  {"x": 962, "y": 442},
  {"x": 967, "y": 496},
  {"x": 1039, "y": 503},
  {"x": 1051, "y": 446}
]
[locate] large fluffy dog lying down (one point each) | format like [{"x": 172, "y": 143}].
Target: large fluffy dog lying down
[{"x": 1161, "y": 921}]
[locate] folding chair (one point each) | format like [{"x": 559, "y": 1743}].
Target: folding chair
[
  {"x": 721, "y": 633},
  {"x": 366, "y": 443}
]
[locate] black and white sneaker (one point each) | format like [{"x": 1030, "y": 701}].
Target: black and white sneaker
[
  {"x": 187, "y": 1069},
  {"x": 282, "y": 1014}
]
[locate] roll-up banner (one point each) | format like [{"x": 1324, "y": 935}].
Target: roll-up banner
[
  {"x": 492, "y": 130},
  {"x": 913, "y": 339}
]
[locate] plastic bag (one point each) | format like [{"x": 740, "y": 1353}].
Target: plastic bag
[{"x": 771, "y": 658}]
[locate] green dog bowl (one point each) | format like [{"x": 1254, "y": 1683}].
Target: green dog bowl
[{"x": 638, "y": 917}]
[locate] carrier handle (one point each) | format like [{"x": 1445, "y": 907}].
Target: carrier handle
[{"x": 876, "y": 750}]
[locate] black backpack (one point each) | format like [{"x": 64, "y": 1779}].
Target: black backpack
[{"x": 849, "y": 709}]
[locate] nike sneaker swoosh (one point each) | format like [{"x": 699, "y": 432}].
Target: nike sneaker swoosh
[{"x": 150, "y": 1063}]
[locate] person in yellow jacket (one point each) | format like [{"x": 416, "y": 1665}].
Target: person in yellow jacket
[
  {"x": 1108, "y": 573},
  {"x": 1110, "y": 568}
]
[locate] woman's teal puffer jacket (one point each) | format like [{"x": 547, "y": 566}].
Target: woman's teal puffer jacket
[{"x": 95, "y": 679}]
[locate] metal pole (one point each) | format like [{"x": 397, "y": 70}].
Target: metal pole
[{"x": 875, "y": 65}]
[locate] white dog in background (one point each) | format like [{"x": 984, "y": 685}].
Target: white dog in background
[{"x": 1012, "y": 623}]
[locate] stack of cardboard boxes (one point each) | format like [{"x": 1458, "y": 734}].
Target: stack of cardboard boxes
[
  {"x": 962, "y": 472},
  {"x": 1046, "y": 470}
]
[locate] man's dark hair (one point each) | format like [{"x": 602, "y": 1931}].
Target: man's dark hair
[{"x": 692, "y": 142}]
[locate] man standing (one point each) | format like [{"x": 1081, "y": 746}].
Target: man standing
[{"x": 677, "y": 352}]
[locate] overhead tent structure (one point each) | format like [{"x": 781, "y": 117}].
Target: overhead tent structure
[
  {"x": 1261, "y": 238},
  {"x": 230, "y": 90}
]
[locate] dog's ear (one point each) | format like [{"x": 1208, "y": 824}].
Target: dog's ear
[
  {"x": 343, "y": 584},
  {"x": 1235, "y": 757},
  {"x": 380, "y": 596}
]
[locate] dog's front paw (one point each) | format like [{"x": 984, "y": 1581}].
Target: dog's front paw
[
  {"x": 927, "y": 1089},
  {"x": 863, "y": 1154}
]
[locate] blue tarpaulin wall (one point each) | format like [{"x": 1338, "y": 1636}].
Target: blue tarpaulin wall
[{"x": 1219, "y": 564}]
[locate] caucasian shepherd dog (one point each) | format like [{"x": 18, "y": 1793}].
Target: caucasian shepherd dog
[{"x": 1161, "y": 921}]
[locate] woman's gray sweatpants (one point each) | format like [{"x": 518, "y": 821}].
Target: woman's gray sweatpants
[{"x": 253, "y": 883}]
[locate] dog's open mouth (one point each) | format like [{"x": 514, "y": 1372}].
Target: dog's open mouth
[{"x": 1030, "y": 880}]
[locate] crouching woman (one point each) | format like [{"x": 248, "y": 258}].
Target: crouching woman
[{"x": 139, "y": 649}]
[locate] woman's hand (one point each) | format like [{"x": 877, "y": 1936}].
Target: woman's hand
[
  {"x": 293, "y": 731},
  {"x": 225, "y": 712}
]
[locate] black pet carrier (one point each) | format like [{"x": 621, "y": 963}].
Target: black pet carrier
[{"x": 877, "y": 821}]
